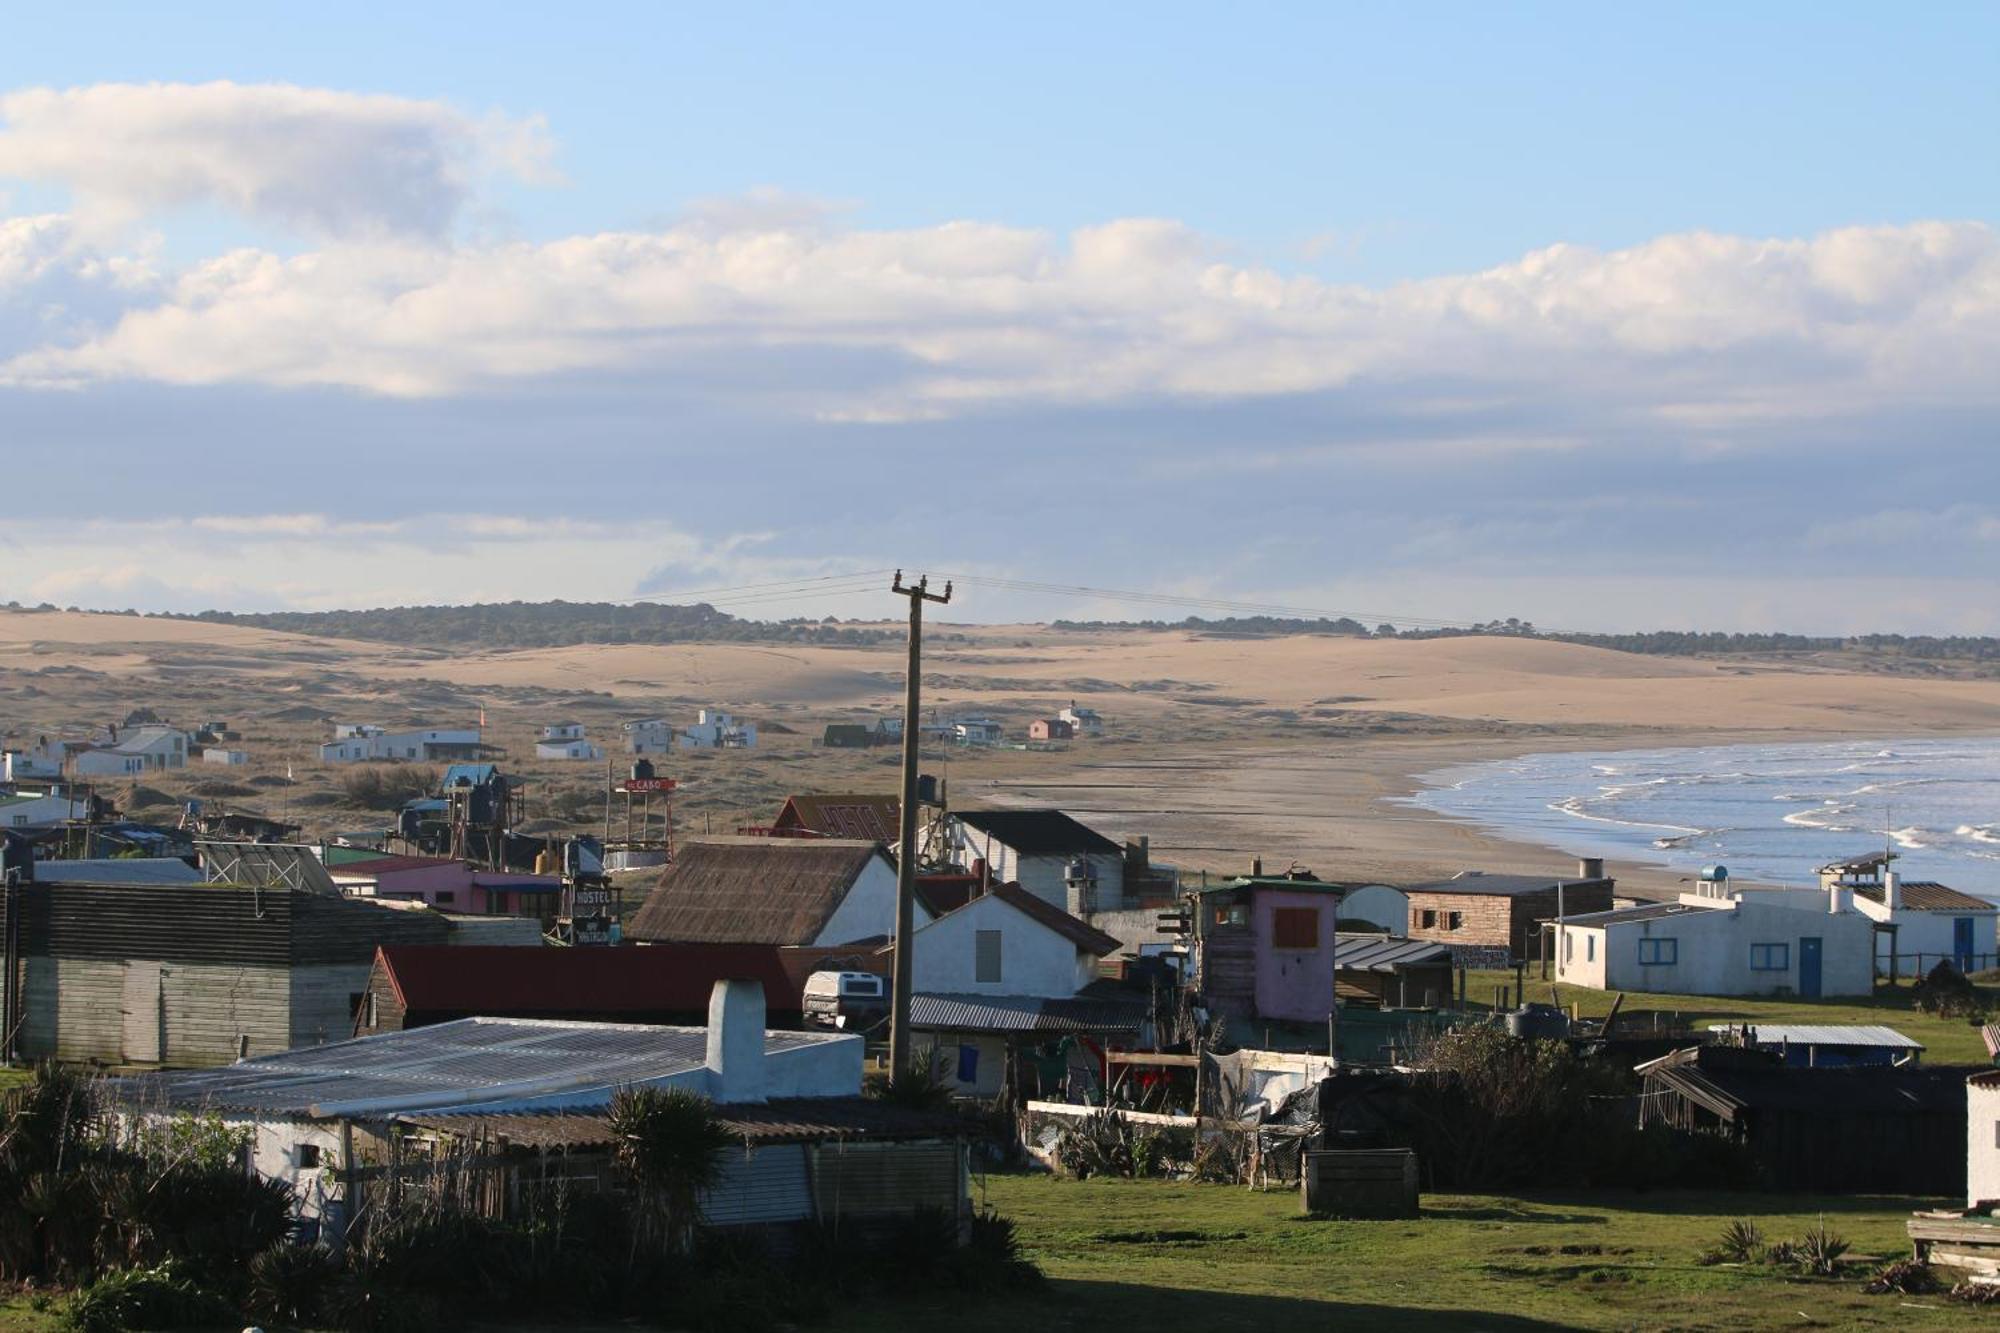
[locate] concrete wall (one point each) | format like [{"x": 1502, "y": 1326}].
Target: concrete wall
[
  {"x": 1034, "y": 960},
  {"x": 869, "y": 910},
  {"x": 1982, "y": 1142},
  {"x": 1714, "y": 950},
  {"x": 1929, "y": 934},
  {"x": 989, "y": 1064}
]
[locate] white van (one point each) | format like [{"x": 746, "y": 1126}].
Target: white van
[{"x": 847, "y": 1000}]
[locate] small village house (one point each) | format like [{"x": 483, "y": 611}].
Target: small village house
[
  {"x": 43, "y": 809},
  {"x": 268, "y": 957},
  {"x": 714, "y": 729},
  {"x": 224, "y": 758},
  {"x": 1723, "y": 940},
  {"x": 977, "y": 731},
  {"x": 1265, "y": 946},
  {"x": 574, "y": 748},
  {"x": 322, "y": 1119},
  {"x": 1922, "y": 922},
  {"x": 360, "y": 742},
  {"x": 1058, "y": 859},
  {"x": 822, "y": 815},
  {"x": 1051, "y": 729},
  {"x": 793, "y": 891},
  {"x": 454, "y": 885},
  {"x": 1495, "y": 920},
  {"x": 1392, "y": 972},
  {"x": 1004, "y": 970},
  {"x": 1082, "y": 721},
  {"x": 41, "y": 761},
  {"x": 149, "y": 748},
  {"x": 652, "y": 735}
]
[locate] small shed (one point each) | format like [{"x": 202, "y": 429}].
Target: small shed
[
  {"x": 1832, "y": 1130},
  {"x": 1391, "y": 972}
]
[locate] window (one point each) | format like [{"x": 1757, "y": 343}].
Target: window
[
  {"x": 1453, "y": 920},
  {"x": 1430, "y": 919},
  {"x": 1590, "y": 948},
  {"x": 447, "y": 895},
  {"x": 1569, "y": 946},
  {"x": 20, "y": 820},
  {"x": 1238, "y": 915},
  {"x": 1770, "y": 957},
  {"x": 1295, "y": 928},
  {"x": 308, "y": 1156},
  {"x": 1659, "y": 952},
  {"x": 986, "y": 955}
]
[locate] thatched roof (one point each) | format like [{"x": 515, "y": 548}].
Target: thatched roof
[{"x": 752, "y": 890}]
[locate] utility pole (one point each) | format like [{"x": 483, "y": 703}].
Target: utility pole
[{"x": 906, "y": 850}]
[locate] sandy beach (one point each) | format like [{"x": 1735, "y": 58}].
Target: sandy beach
[{"x": 1219, "y": 749}]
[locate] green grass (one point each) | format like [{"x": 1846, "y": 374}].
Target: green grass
[
  {"x": 14, "y": 1078},
  {"x": 1154, "y": 1254},
  {"x": 1947, "y": 1041}
]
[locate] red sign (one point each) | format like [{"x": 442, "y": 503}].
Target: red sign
[{"x": 646, "y": 784}]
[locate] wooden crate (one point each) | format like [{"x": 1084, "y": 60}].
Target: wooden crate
[{"x": 1375, "y": 1182}]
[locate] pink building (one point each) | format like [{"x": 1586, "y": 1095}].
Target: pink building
[
  {"x": 451, "y": 886},
  {"x": 1051, "y": 729}
]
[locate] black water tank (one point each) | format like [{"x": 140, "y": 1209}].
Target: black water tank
[{"x": 642, "y": 768}]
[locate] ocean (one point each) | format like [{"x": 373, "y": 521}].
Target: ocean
[{"x": 1773, "y": 813}]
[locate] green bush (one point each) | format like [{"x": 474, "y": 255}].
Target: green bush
[
  {"x": 159, "y": 1297},
  {"x": 288, "y": 1284}
]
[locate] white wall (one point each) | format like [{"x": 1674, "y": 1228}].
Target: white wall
[
  {"x": 1982, "y": 1142},
  {"x": 869, "y": 909},
  {"x": 1928, "y": 933},
  {"x": 1034, "y": 960},
  {"x": 1713, "y": 950},
  {"x": 942, "y": 1050},
  {"x": 1377, "y": 905}
]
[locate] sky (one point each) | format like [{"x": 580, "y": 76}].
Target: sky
[{"x": 1609, "y": 318}]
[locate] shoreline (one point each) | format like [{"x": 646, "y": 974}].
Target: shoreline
[{"x": 1342, "y": 811}]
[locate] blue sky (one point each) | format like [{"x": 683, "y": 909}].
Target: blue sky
[{"x": 1603, "y": 316}]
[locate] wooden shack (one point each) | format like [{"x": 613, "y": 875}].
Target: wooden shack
[{"x": 1836, "y": 1130}]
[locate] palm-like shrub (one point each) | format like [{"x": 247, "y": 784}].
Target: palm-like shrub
[{"x": 671, "y": 1144}]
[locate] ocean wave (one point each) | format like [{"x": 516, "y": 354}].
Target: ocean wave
[
  {"x": 1573, "y": 806},
  {"x": 1822, "y": 817},
  {"x": 1979, "y": 832},
  {"x": 1910, "y": 839}
]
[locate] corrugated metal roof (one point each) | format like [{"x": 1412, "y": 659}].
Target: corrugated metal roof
[
  {"x": 1504, "y": 886},
  {"x": 1643, "y": 912},
  {"x": 473, "y": 1062},
  {"x": 1925, "y": 895},
  {"x": 1824, "y": 1034},
  {"x": 1023, "y": 1013},
  {"x": 1037, "y": 832},
  {"x": 500, "y": 979},
  {"x": 775, "y": 1121},
  {"x": 1385, "y": 953},
  {"x": 118, "y": 870}
]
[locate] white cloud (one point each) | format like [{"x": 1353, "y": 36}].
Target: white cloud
[
  {"x": 328, "y": 163},
  {"x": 1714, "y": 333}
]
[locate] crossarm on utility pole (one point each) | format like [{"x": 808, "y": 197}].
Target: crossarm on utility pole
[{"x": 906, "y": 847}]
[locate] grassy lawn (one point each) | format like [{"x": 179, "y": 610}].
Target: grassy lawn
[
  {"x": 1947, "y": 1041},
  {"x": 1153, "y": 1254}
]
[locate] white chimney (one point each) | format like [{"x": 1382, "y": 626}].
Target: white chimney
[
  {"x": 1892, "y": 890},
  {"x": 736, "y": 1041},
  {"x": 1836, "y": 900}
]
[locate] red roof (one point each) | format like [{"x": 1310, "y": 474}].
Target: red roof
[{"x": 498, "y": 980}]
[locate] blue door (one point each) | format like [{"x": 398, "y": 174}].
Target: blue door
[
  {"x": 1809, "y": 967},
  {"x": 1961, "y": 943}
]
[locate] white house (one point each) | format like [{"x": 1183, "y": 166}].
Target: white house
[
  {"x": 714, "y": 729},
  {"x": 225, "y": 758},
  {"x": 44, "y": 759},
  {"x": 1085, "y": 720},
  {"x": 1982, "y": 1138},
  {"x": 310, "y": 1110},
  {"x": 1060, "y": 861},
  {"x": 1004, "y": 967},
  {"x": 1722, "y": 940},
  {"x": 142, "y": 749},
  {"x": 563, "y": 731},
  {"x": 571, "y": 748},
  {"x": 651, "y": 735},
  {"x": 977, "y": 731},
  {"x": 364, "y": 743},
  {"x": 1932, "y": 922}
]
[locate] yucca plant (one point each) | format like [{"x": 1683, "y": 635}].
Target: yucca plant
[
  {"x": 1741, "y": 1242},
  {"x": 671, "y": 1144},
  {"x": 1820, "y": 1250}
]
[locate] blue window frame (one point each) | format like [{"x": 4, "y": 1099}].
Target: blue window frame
[
  {"x": 1659, "y": 951},
  {"x": 1770, "y": 957}
]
